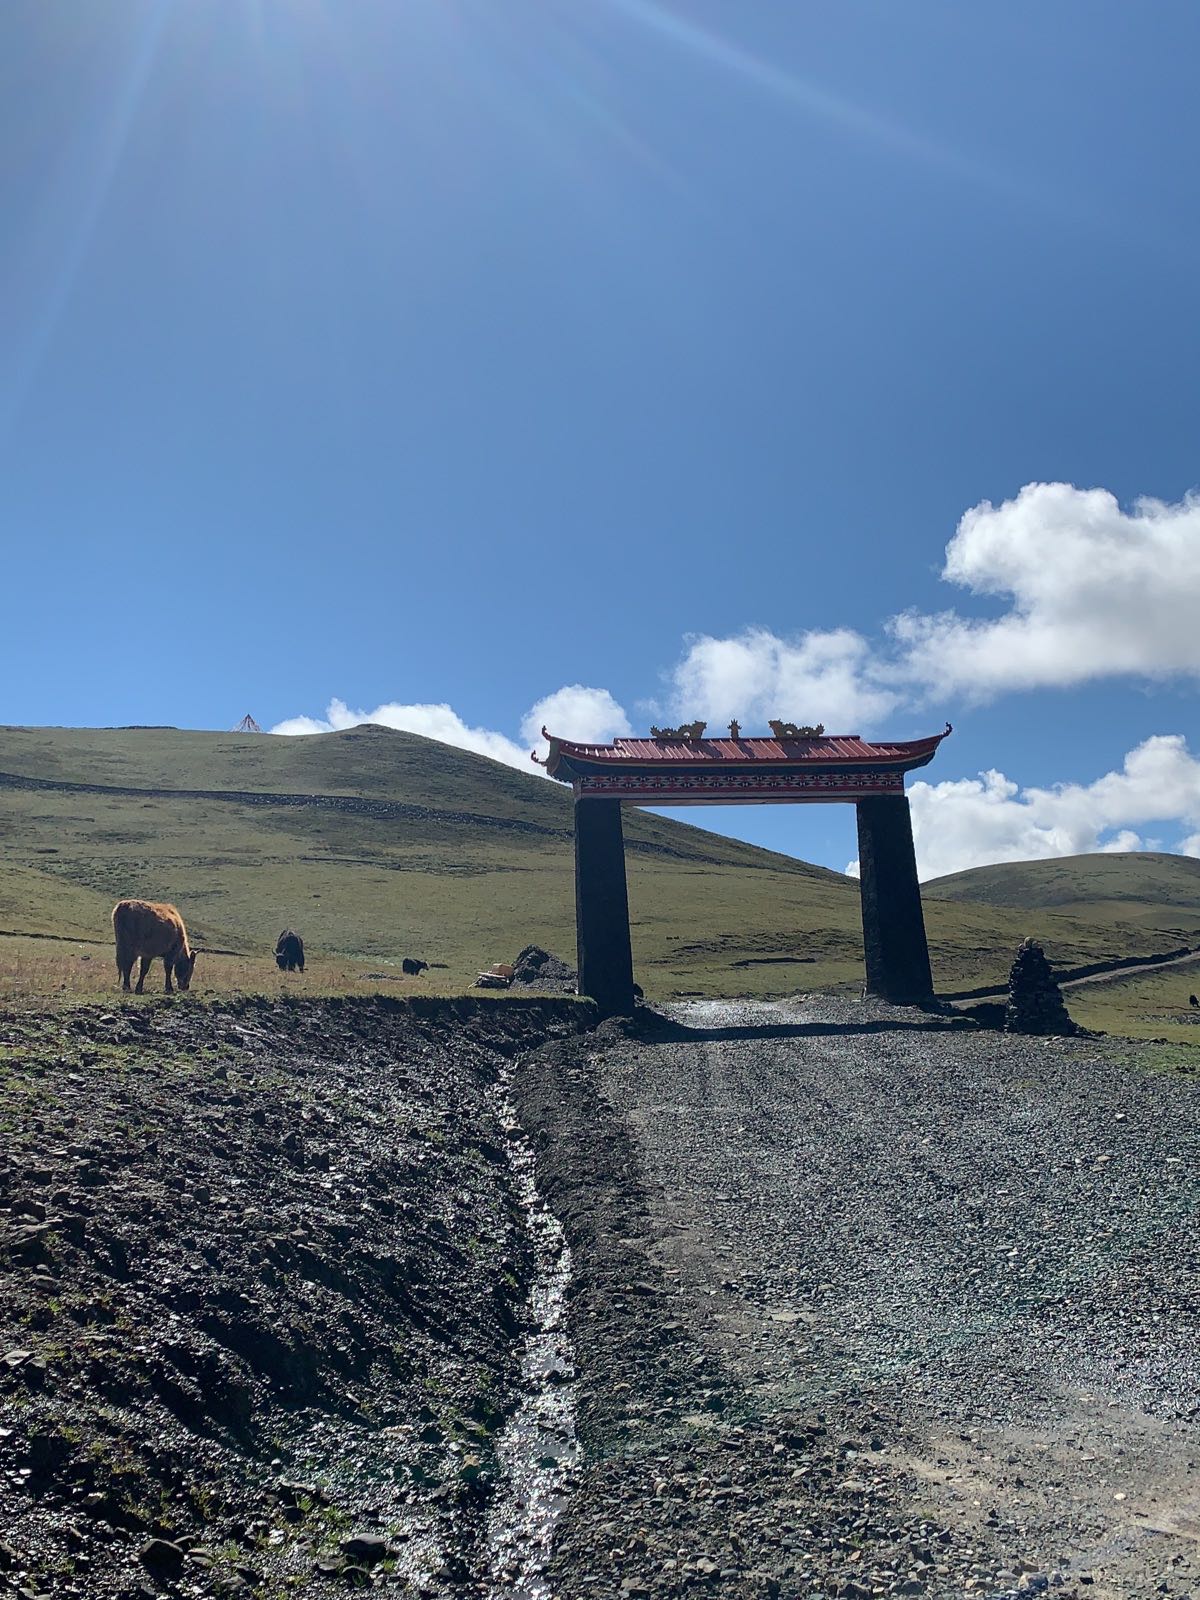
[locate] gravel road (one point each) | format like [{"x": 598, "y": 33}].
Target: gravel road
[{"x": 868, "y": 1304}]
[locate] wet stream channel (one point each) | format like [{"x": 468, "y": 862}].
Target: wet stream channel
[{"x": 538, "y": 1449}]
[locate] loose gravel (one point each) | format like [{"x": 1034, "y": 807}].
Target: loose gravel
[{"x": 871, "y": 1304}]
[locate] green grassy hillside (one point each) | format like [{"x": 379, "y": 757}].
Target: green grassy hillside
[
  {"x": 1144, "y": 1005},
  {"x": 1152, "y": 890},
  {"x": 452, "y": 857},
  {"x": 376, "y": 844}
]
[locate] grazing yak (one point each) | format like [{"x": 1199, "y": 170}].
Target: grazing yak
[
  {"x": 411, "y": 968},
  {"x": 289, "y": 952},
  {"x": 146, "y": 929},
  {"x": 1192, "y": 1001}
]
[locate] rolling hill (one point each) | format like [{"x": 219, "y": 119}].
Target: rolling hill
[
  {"x": 1148, "y": 889},
  {"x": 377, "y": 844}
]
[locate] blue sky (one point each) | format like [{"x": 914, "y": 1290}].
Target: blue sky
[{"x": 424, "y": 353}]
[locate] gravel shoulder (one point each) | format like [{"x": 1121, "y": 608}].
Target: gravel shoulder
[{"x": 868, "y": 1304}]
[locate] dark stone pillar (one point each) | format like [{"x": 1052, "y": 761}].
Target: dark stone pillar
[
  {"x": 894, "y": 943},
  {"x": 602, "y": 908}
]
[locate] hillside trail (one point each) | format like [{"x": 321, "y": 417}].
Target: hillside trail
[
  {"x": 345, "y": 804},
  {"x": 1125, "y": 975},
  {"x": 351, "y": 805},
  {"x": 1126, "y": 970},
  {"x": 969, "y": 1261}
]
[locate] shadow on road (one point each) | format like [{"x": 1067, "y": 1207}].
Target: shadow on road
[{"x": 653, "y": 1028}]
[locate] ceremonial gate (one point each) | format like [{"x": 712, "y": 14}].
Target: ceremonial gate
[{"x": 680, "y": 767}]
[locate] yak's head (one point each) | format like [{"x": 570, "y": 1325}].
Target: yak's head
[{"x": 184, "y": 967}]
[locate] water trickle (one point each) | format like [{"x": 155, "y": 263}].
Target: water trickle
[{"x": 538, "y": 1448}]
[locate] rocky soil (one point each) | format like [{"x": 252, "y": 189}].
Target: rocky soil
[
  {"x": 858, "y": 1302},
  {"x": 263, "y": 1270},
  {"x": 865, "y": 1304}
]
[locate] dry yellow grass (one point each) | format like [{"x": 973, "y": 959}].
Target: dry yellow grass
[{"x": 34, "y": 971}]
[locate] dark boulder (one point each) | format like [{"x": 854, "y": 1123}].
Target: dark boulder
[
  {"x": 160, "y": 1555},
  {"x": 364, "y": 1548}
]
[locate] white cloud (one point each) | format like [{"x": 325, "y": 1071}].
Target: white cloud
[
  {"x": 1125, "y": 840},
  {"x": 1092, "y": 591},
  {"x": 590, "y": 716},
  {"x": 439, "y": 722},
  {"x": 573, "y": 711},
  {"x": 973, "y": 822},
  {"x": 298, "y": 725},
  {"x": 1095, "y": 592},
  {"x": 824, "y": 677}
]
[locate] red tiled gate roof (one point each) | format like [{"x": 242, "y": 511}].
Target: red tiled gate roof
[{"x": 568, "y": 760}]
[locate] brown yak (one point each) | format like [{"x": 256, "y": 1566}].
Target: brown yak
[{"x": 147, "y": 929}]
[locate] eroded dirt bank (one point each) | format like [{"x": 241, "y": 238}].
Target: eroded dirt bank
[
  {"x": 864, "y": 1305},
  {"x": 263, "y": 1269}
]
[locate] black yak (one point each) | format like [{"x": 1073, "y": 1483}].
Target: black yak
[
  {"x": 289, "y": 952},
  {"x": 412, "y": 968}
]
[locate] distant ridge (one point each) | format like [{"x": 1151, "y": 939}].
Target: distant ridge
[{"x": 1145, "y": 885}]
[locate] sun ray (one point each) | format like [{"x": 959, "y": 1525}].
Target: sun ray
[
  {"x": 107, "y": 145},
  {"x": 817, "y": 102}
]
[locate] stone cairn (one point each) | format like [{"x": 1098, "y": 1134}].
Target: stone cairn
[{"x": 1035, "y": 1002}]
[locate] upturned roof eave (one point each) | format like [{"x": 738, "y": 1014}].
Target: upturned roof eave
[{"x": 569, "y": 761}]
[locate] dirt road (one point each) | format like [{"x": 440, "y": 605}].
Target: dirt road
[{"x": 867, "y": 1305}]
